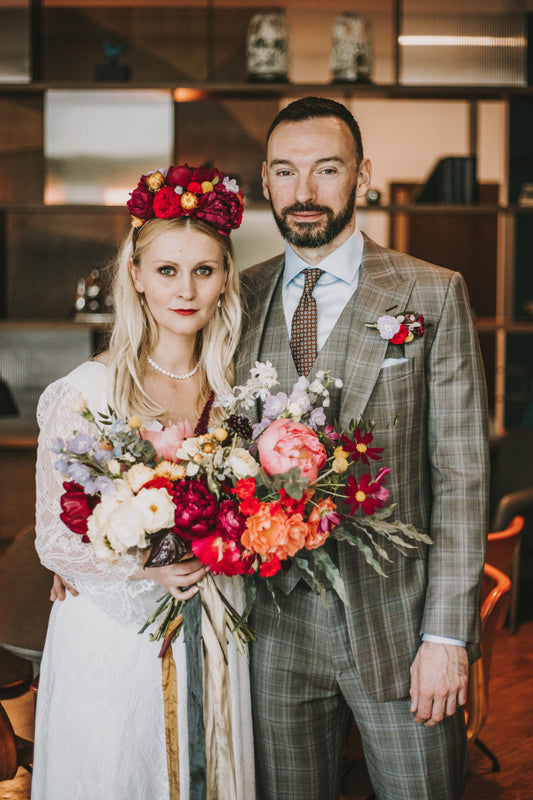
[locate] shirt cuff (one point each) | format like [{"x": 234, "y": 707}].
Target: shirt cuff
[{"x": 430, "y": 637}]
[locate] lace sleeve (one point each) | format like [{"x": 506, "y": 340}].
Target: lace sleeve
[{"x": 61, "y": 550}]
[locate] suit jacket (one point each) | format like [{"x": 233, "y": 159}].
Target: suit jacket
[{"x": 438, "y": 454}]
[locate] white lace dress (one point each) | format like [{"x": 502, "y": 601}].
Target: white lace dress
[{"x": 100, "y": 729}]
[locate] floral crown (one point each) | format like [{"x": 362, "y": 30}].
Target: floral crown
[{"x": 205, "y": 193}]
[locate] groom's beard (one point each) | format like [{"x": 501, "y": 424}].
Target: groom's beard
[{"x": 314, "y": 234}]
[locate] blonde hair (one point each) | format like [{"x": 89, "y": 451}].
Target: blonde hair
[{"x": 135, "y": 332}]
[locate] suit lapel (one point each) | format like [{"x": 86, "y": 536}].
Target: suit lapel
[
  {"x": 258, "y": 299},
  {"x": 381, "y": 291}
]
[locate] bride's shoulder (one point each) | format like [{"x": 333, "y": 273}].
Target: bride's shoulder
[{"x": 88, "y": 380}]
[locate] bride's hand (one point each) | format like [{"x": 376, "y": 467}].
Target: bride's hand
[{"x": 179, "y": 579}]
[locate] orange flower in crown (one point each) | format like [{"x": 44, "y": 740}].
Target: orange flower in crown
[{"x": 205, "y": 193}]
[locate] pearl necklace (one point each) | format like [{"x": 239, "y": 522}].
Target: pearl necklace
[{"x": 174, "y": 375}]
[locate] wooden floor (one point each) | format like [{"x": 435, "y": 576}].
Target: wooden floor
[{"x": 508, "y": 731}]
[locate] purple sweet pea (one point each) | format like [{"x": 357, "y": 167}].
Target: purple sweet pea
[
  {"x": 317, "y": 417},
  {"x": 274, "y": 405},
  {"x": 81, "y": 444}
]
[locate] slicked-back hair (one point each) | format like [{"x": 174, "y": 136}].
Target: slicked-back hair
[{"x": 316, "y": 107}]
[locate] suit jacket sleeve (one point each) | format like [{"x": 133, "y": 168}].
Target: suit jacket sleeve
[{"x": 458, "y": 457}]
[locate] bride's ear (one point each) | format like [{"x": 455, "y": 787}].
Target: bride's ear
[{"x": 134, "y": 272}]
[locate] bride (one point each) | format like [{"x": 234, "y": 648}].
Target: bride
[{"x": 100, "y": 721}]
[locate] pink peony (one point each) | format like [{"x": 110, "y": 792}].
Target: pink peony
[
  {"x": 230, "y": 520},
  {"x": 286, "y": 444},
  {"x": 168, "y": 441}
]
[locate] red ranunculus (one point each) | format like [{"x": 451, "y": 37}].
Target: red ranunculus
[
  {"x": 401, "y": 336},
  {"x": 270, "y": 566},
  {"x": 221, "y": 556},
  {"x": 245, "y": 488},
  {"x": 141, "y": 202},
  {"x": 194, "y": 187},
  {"x": 230, "y": 520},
  {"x": 180, "y": 175},
  {"x": 196, "y": 510},
  {"x": 76, "y": 508},
  {"x": 167, "y": 204},
  {"x": 222, "y": 209}
]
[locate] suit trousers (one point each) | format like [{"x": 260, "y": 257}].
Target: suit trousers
[{"x": 304, "y": 681}]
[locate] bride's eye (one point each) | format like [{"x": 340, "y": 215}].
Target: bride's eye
[
  {"x": 204, "y": 270},
  {"x": 166, "y": 270}
]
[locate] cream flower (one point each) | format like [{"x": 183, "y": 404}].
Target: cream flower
[
  {"x": 126, "y": 527},
  {"x": 138, "y": 475},
  {"x": 79, "y": 405},
  {"x": 242, "y": 464},
  {"x": 155, "y": 509}
]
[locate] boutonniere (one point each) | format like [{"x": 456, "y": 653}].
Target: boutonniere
[{"x": 400, "y": 329}]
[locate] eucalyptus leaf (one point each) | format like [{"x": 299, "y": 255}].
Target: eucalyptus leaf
[
  {"x": 323, "y": 560},
  {"x": 302, "y": 566}
]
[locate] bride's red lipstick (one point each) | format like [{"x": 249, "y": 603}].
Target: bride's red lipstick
[{"x": 184, "y": 312}]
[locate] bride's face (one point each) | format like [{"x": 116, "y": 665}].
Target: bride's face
[{"x": 181, "y": 276}]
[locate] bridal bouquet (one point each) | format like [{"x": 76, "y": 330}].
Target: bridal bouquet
[{"x": 245, "y": 499}]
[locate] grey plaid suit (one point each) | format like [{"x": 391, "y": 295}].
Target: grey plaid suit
[{"x": 438, "y": 457}]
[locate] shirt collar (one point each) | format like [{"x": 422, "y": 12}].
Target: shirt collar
[{"x": 342, "y": 263}]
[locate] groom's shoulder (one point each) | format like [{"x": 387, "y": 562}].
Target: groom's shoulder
[{"x": 260, "y": 274}]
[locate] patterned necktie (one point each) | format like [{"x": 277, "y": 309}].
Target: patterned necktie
[{"x": 304, "y": 325}]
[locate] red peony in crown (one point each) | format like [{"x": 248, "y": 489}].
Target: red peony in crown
[{"x": 205, "y": 193}]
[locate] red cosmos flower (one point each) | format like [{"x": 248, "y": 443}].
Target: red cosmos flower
[
  {"x": 223, "y": 557},
  {"x": 196, "y": 510},
  {"x": 76, "y": 508},
  {"x": 167, "y": 204},
  {"x": 359, "y": 449},
  {"x": 401, "y": 336},
  {"x": 369, "y": 494}
]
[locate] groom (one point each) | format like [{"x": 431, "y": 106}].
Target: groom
[{"x": 398, "y": 655}]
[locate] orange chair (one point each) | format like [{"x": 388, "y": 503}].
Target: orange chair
[
  {"x": 495, "y": 594},
  {"x": 503, "y": 552}
]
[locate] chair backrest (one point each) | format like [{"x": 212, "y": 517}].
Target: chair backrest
[
  {"x": 513, "y": 465},
  {"x": 515, "y": 503},
  {"x": 502, "y": 544},
  {"x": 8, "y": 748},
  {"x": 495, "y": 591}
]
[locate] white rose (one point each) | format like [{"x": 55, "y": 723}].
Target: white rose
[
  {"x": 138, "y": 475},
  {"x": 155, "y": 509},
  {"x": 242, "y": 464},
  {"x": 79, "y": 405},
  {"x": 98, "y": 522},
  {"x": 126, "y": 528}
]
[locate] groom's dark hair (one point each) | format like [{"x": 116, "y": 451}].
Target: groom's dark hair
[{"x": 314, "y": 107}]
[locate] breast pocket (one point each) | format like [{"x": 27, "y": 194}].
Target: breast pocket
[{"x": 395, "y": 369}]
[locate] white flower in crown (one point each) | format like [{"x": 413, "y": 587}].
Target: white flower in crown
[{"x": 230, "y": 184}]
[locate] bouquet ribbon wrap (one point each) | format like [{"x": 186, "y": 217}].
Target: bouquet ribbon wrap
[{"x": 209, "y": 711}]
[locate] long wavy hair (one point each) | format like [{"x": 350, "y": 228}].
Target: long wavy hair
[{"x": 135, "y": 332}]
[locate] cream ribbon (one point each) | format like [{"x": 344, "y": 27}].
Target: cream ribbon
[{"x": 221, "y": 783}]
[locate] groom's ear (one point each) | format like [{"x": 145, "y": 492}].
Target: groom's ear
[{"x": 264, "y": 180}]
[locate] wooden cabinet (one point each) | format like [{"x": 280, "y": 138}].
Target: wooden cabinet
[{"x": 196, "y": 54}]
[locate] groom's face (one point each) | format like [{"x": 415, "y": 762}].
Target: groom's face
[{"x": 311, "y": 179}]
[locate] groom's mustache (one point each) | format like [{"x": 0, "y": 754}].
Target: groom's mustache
[{"x": 299, "y": 207}]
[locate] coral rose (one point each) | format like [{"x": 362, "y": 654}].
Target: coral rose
[
  {"x": 268, "y": 533},
  {"x": 286, "y": 444}
]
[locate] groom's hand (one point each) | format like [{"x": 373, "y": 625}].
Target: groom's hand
[{"x": 439, "y": 681}]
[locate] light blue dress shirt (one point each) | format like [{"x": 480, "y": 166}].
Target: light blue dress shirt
[{"x": 332, "y": 292}]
